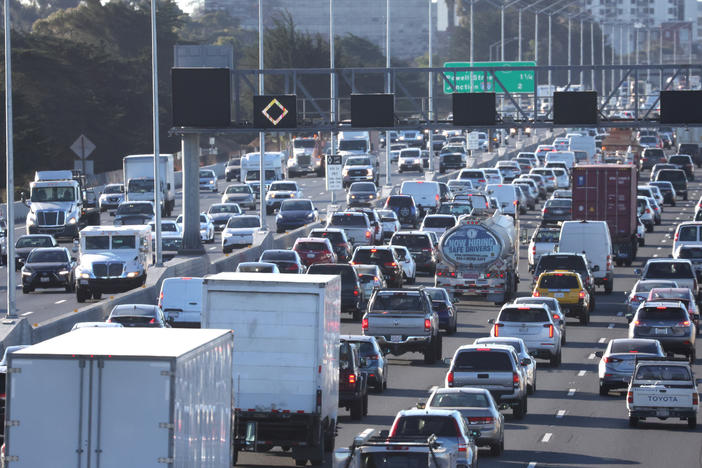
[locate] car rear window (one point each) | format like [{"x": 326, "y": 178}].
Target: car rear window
[
  {"x": 559, "y": 281},
  {"x": 348, "y": 220},
  {"x": 690, "y": 252},
  {"x": 460, "y": 399},
  {"x": 672, "y": 175},
  {"x": 372, "y": 256},
  {"x": 561, "y": 262},
  {"x": 439, "y": 222},
  {"x": 399, "y": 202},
  {"x": 662, "y": 313},
  {"x": 525, "y": 314},
  {"x": 472, "y": 175},
  {"x": 634, "y": 346},
  {"x": 669, "y": 270},
  {"x": 440, "y": 426},
  {"x": 334, "y": 237},
  {"x": 547, "y": 235},
  {"x": 687, "y": 233},
  {"x": 679, "y": 160},
  {"x": 559, "y": 203},
  {"x": 649, "y": 372},
  {"x": 346, "y": 271},
  {"x": 482, "y": 361},
  {"x": 411, "y": 240},
  {"x": 397, "y": 302}
]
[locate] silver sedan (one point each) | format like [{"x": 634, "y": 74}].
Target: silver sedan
[
  {"x": 618, "y": 361},
  {"x": 522, "y": 351},
  {"x": 478, "y": 409}
]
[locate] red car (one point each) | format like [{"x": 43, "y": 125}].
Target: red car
[
  {"x": 314, "y": 250},
  {"x": 341, "y": 245}
]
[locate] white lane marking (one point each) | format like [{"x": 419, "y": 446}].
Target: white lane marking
[
  {"x": 581, "y": 373},
  {"x": 677, "y": 217},
  {"x": 213, "y": 248},
  {"x": 321, "y": 193},
  {"x": 571, "y": 391},
  {"x": 611, "y": 325},
  {"x": 60, "y": 302},
  {"x": 561, "y": 413},
  {"x": 670, "y": 229},
  {"x": 602, "y": 340},
  {"x": 546, "y": 437},
  {"x": 27, "y": 313},
  {"x": 655, "y": 255},
  {"x": 663, "y": 240},
  {"x": 591, "y": 356},
  {"x": 659, "y": 248},
  {"x": 531, "y": 465},
  {"x": 620, "y": 313}
]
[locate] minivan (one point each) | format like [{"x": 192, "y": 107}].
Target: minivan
[
  {"x": 688, "y": 234},
  {"x": 593, "y": 239},
  {"x": 426, "y": 194},
  {"x": 181, "y": 301}
]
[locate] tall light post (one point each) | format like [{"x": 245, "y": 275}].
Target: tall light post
[
  {"x": 157, "y": 157},
  {"x": 472, "y": 44},
  {"x": 388, "y": 180},
  {"x": 582, "y": 61},
  {"x": 332, "y": 87},
  {"x": 592, "y": 54},
  {"x": 503, "y": 7},
  {"x": 604, "y": 73},
  {"x": 570, "y": 20},
  {"x": 431, "y": 86},
  {"x": 648, "y": 55},
  {"x": 261, "y": 135},
  {"x": 660, "y": 56},
  {"x": 9, "y": 174}
]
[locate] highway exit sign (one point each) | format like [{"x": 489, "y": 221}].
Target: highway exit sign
[{"x": 515, "y": 81}]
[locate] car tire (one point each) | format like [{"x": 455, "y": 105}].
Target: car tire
[
  {"x": 692, "y": 356},
  {"x": 82, "y": 295},
  {"x": 356, "y": 409},
  {"x": 496, "y": 449},
  {"x": 412, "y": 280},
  {"x": 365, "y": 403},
  {"x": 633, "y": 421},
  {"x": 227, "y": 249},
  {"x": 609, "y": 286},
  {"x": 555, "y": 361},
  {"x": 26, "y": 290},
  {"x": 585, "y": 318},
  {"x": 642, "y": 242},
  {"x": 604, "y": 389},
  {"x": 685, "y": 197},
  {"x": 519, "y": 411},
  {"x": 357, "y": 315},
  {"x": 649, "y": 228},
  {"x": 439, "y": 348},
  {"x": 429, "y": 353},
  {"x": 692, "y": 422}
]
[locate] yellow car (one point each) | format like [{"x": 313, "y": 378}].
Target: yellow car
[{"x": 568, "y": 288}]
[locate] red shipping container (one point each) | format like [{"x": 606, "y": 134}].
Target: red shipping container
[{"x": 607, "y": 192}]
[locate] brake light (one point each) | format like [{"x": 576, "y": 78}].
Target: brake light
[
  {"x": 481, "y": 181},
  {"x": 352, "y": 379},
  {"x": 390, "y": 264},
  {"x": 637, "y": 322},
  {"x": 364, "y": 324},
  {"x": 515, "y": 379},
  {"x": 427, "y": 324},
  {"x": 581, "y": 295},
  {"x": 609, "y": 360},
  {"x": 355, "y": 292},
  {"x": 686, "y": 323},
  {"x": 368, "y": 234},
  {"x": 661, "y": 307},
  {"x": 109, "y": 320},
  {"x": 630, "y": 397},
  {"x": 648, "y": 210},
  {"x": 481, "y": 420},
  {"x": 609, "y": 262},
  {"x": 533, "y": 250},
  {"x": 550, "y": 330},
  {"x": 496, "y": 330},
  {"x": 160, "y": 300},
  {"x": 449, "y": 379},
  {"x": 536, "y": 294},
  {"x": 153, "y": 320},
  {"x": 695, "y": 400},
  {"x": 461, "y": 443}
]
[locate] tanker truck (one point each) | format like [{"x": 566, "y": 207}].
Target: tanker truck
[{"x": 480, "y": 257}]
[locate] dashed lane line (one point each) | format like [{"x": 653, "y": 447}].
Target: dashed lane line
[
  {"x": 611, "y": 325},
  {"x": 581, "y": 372},
  {"x": 602, "y": 340},
  {"x": 571, "y": 391},
  {"x": 27, "y": 313},
  {"x": 560, "y": 413},
  {"x": 60, "y": 302},
  {"x": 591, "y": 356},
  {"x": 546, "y": 437}
]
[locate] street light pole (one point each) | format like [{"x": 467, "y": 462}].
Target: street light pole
[
  {"x": 157, "y": 157},
  {"x": 431, "y": 87},
  {"x": 9, "y": 174},
  {"x": 550, "y": 40},
  {"x": 519, "y": 33},
  {"x": 569, "y": 48},
  {"x": 582, "y": 62},
  {"x": 472, "y": 44},
  {"x": 332, "y": 87},
  {"x": 592, "y": 54},
  {"x": 604, "y": 73},
  {"x": 261, "y": 135},
  {"x": 388, "y": 180}
]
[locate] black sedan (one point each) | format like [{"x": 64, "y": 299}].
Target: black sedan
[
  {"x": 555, "y": 210},
  {"x": 221, "y": 212},
  {"x": 362, "y": 194},
  {"x": 48, "y": 267},
  {"x": 138, "y": 315},
  {"x": 288, "y": 261},
  {"x": 25, "y": 244}
]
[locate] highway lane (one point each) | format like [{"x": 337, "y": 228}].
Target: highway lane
[{"x": 568, "y": 424}]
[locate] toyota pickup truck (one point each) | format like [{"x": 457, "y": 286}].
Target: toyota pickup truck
[
  {"x": 403, "y": 321},
  {"x": 663, "y": 388}
]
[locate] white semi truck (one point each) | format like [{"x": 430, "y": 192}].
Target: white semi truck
[
  {"x": 286, "y": 371},
  {"x": 114, "y": 397},
  {"x": 57, "y": 205},
  {"x": 138, "y": 172}
]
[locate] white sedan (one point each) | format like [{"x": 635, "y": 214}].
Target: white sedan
[
  {"x": 207, "y": 229},
  {"x": 239, "y": 231}
]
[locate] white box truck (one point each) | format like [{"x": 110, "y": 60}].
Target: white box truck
[
  {"x": 121, "y": 397},
  {"x": 138, "y": 172},
  {"x": 286, "y": 376}
]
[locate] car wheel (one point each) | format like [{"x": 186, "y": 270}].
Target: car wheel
[
  {"x": 692, "y": 356},
  {"x": 555, "y": 361},
  {"x": 429, "y": 353},
  {"x": 82, "y": 295},
  {"x": 685, "y": 197},
  {"x": 496, "y": 449},
  {"x": 357, "y": 315},
  {"x": 26, "y": 290},
  {"x": 633, "y": 421},
  {"x": 357, "y": 409},
  {"x": 519, "y": 411},
  {"x": 692, "y": 422},
  {"x": 604, "y": 389},
  {"x": 642, "y": 242},
  {"x": 609, "y": 286},
  {"x": 585, "y": 318},
  {"x": 365, "y": 404},
  {"x": 649, "y": 228}
]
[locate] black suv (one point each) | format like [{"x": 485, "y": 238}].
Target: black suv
[
  {"x": 353, "y": 381},
  {"x": 567, "y": 261},
  {"x": 351, "y": 293},
  {"x": 693, "y": 149},
  {"x": 683, "y": 162},
  {"x": 420, "y": 246},
  {"x": 405, "y": 209},
  {"x": 677, "y": 178},
  {"x": 385, "y": 258},
  {"x": 652, "y": 156}
]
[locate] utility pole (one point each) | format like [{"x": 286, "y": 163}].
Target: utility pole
[
  {"x": 592, "y": 54},
  {"x": 332, "y": 87},
  {"x": 582, "y": 62},
  {"x": 569, "y": 48},
  {"x": 261, "y": 135},
  {"x": 157, "y": 157},
  {"x": 9, "y": 174},
  {"x": 388, "y": 180},
  {"x": 431, "y": 87}
]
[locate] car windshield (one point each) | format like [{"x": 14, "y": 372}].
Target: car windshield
[
  {"x": 224, "y": 209},
  {"x": 649, "y": 372},
  {"x": 358, "y": 162},
  {"x": 516, "y": 345},
  {"x": 123, "y": 242},
  {"x": 436, "y": 294},
  {"x": 33, "y": 242},
  {"x": 456, "y": 209},
  {"x": 113, "y": 189},
  {"x": 424, "y": 425},
  {"x": 683, "y": 295},
  {"x": 206, "y": 174},
  {"x": 296, "y": 205},
  {"x": 238, "y": 189},
  {"x": 547, "y": 235},
  {"x": 679, "y": 160},
  {"x": 243, "y": 222},
  {"x": 523, "y": 314},
  {"x": 459, "y": 399},
  {"x": 687, "y": 233},
  {"x": 256, "y": 268},
  {"x": 646, "y": 286},
  {"x": 47, "y": 256},
  {"x": 348, "y": 220},
  {"x": 648, "y": 139},
  {"x": 346, "y": 271},
  {"x": 671, "y": 175},
  {"x": 333, "y": 236},
  {"x": 203, "y": 218},
  {"x": 135, "y": 208},
  {"x": 397, "y": 302},
  {"x": 97, "y": 242},
  {"x": 53, "y": 194},
  {"x": 483, "y": 360},
  {"x": 366, "y": 348},
  {"x": 306, "y": 143},
  {"x": 372, "y": 256},
  {"x": 140, "y": 186},
  {"x": 133, "y": 310},
  {"x": 633, "y": 346},
  {"x": 288, "y": 255},
  {"x": 559, "y": 281},
  {"x": 283, "y": 186},
  {"x": 439, "y": 221},
  {"x": 669, "y": 270},
  {"x": 409, "y": 153},
  {"x": 234, "y": 162},
  {"x": 352, "y": 145},
  {"x": 411, "y": 240},
  {"x": 167, "y": 227},
  {"x": 559, "y": 203},
  {"x": 362, "y": 187},
  {"x": 399, "y": 202}
]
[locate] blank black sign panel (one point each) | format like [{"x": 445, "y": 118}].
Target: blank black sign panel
[
  {"x": 681, "y": 107},
  {"x": 474, "y": 109},
  {"x": 275, "y": 111},
  {"x": 372, "y": 110},
  {"x": 575, "y": 108},
  {"x": 201, "y": 97}
]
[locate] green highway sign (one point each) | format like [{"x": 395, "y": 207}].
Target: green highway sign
[{"x": 515, "y": 81}]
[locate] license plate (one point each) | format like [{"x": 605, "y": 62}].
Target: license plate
[
  {"x": 662, "y": 413},
  {"x": 310, "y": 255},
  {"x": 44, "y": 280},
  {"x": 396, "y": 338},
  {"x": 83, "y": 281},
  {"x": 661, "y": 331},
  {"x": 470, "y": 275},
  {"x": 558, "y": 295}
]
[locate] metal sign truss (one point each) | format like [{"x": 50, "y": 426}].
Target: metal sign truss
[{"x": 620, "y": 88}]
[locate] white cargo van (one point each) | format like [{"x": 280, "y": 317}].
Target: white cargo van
[
  {"x": 591, "y": 238},
  {"x": 507, "y": 197},
  {"x": 181, "y": 301},
  {"x": 567, "y": 157},
  {"x": 426, "y": 194}
]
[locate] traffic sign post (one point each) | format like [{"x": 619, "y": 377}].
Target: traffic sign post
[
  {"x": 83, "y": 148},
  {"x": 473, "y": 141},
  {"x": 333, "y": 168},
  {"x": 514, "y": 81}
]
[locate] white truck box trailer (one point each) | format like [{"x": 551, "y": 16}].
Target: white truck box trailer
[
  {"x": 138, "y": 174},
  {"x": 286, "y": 377},
  {"x": 121, "y": 397}
]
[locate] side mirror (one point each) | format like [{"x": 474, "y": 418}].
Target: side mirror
[
  {"x": 629, "y": 317},
  {"x": 596, "y": 268},
  {"x": 525, "y": 362},
  {"x": 599, "y": 353},
  {"x": 637, "y": 271},
  {"x": 447, "y": 361},
  {"x": 421, "y": 405},
  {"x": 491, "y": 321}
]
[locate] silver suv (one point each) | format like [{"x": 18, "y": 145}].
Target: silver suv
[
  {"x": 667, "y": 322},
  {"x": 493, "y": 367}
]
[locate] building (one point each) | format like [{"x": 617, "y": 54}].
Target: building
[{"x": 364, "y": 18}]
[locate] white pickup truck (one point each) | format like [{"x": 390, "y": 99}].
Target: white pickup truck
[{"x": 663, "y": 388}]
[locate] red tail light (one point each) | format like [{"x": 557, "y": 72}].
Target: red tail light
[
  {"x": 352, "y": 379},
  {"x": 609, "y": 360},
  {"x": 550, "y": 330},
  {"x": 536, "y": 294},
  {"x": 390, "y": 264},
  {"x": 581, "y": 295},
  {"x": 496, "y": 330},
  {"x": 556, "y": 317},
  {"x": 368, "y": 234},
  {"x": 449, "y": 379},
  {"x": 461, "y": 443},
  {"x": 374, "y": 357},
  {"x": 481, "y": 181},
  {"x": 686, "y": 323},
  {"x": 427, "y": 324},
  {"x": 481, "y": 420},
  {"x": 355, "y": 292},
  {"x": 160, "y": 299},
  {"x": 153, "y": 320},
  {"x": 677, "y": 234},
  {"x": 648, "y": 210},
  {"x": 364, "y": 324},
  {"x": 695, "y": 400},
  {"x": 109, "y": 320},
  {"x": 544, "y": 211},
  {"x": 515, "y": 379},
  {"x": 630, "y": 397}
]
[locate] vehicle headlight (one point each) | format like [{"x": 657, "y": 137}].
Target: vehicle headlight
[
  {"x": 310, "y": 215},
  {"x": 369, "y": 171},
  {"x": 353, "y": 196},
  {"x": 85, "y": 275},
  {"x": 132, "y": 274},
  {"x": 212, "y": 182},
  {"x": 63, "y": 272},
  {"x": 31, "y": 218},
  {"x": 26, "y": 273},
  {"x": 72, "y": 220}
]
